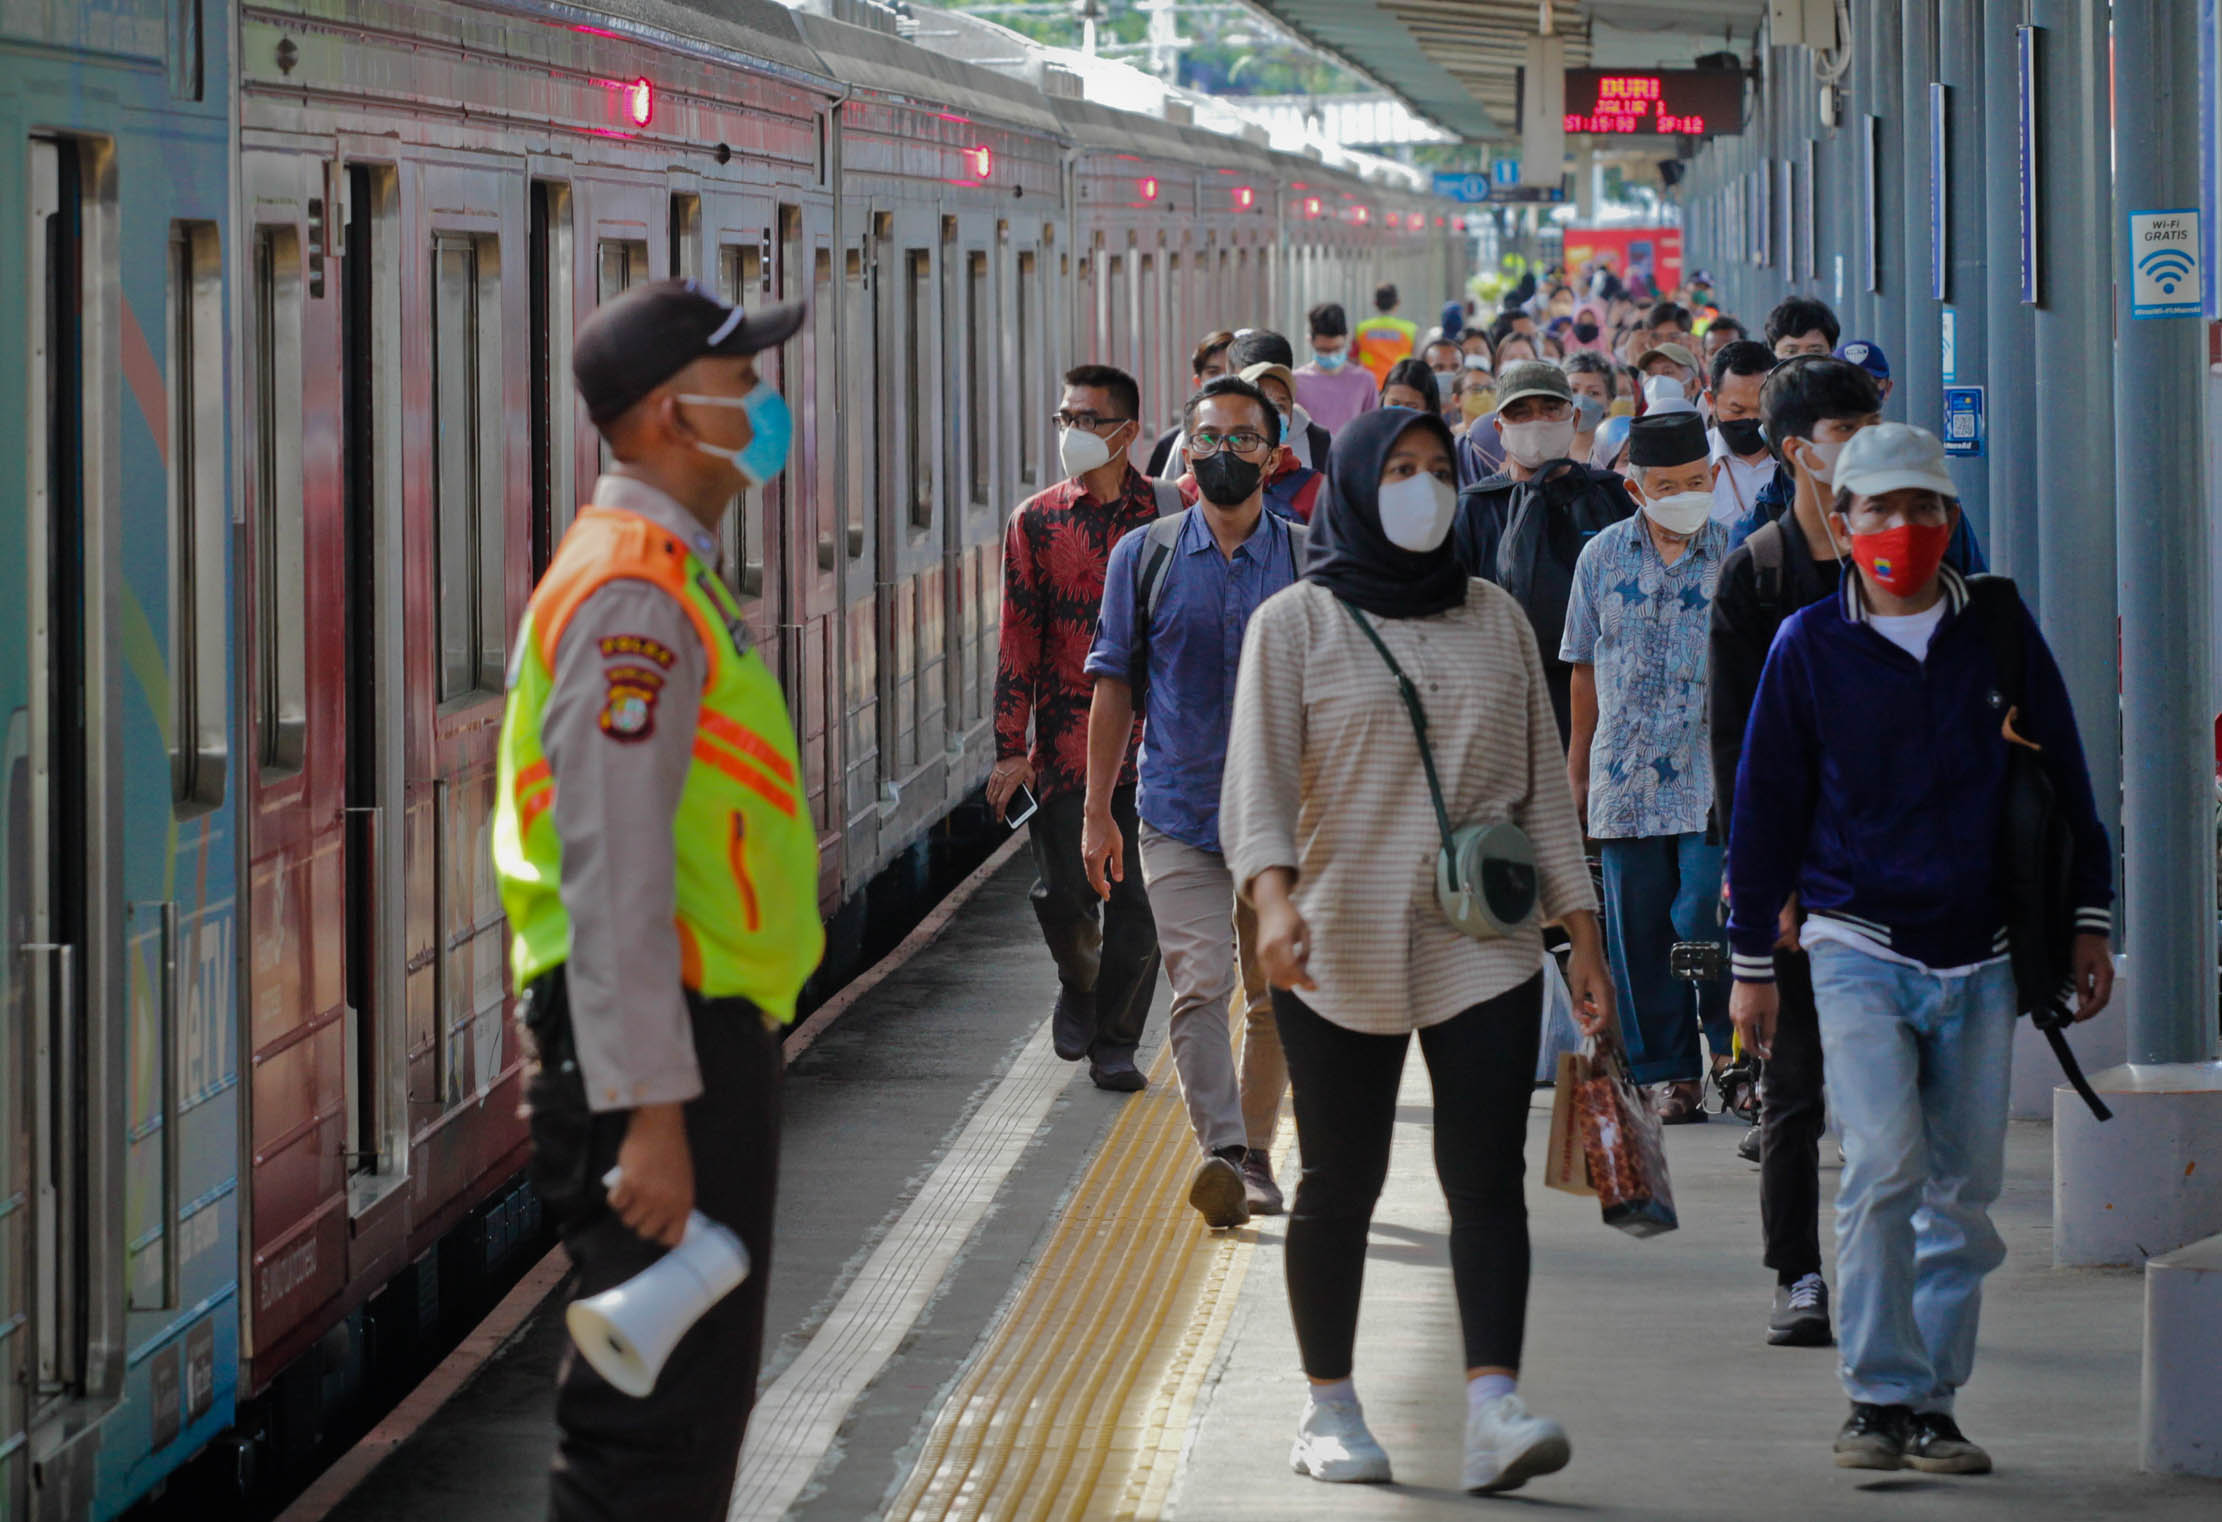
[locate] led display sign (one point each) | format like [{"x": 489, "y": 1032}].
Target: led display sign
[{"x": 1665, "y": 102}]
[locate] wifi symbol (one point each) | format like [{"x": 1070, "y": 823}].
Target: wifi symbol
[{"x": 2167, "y": 268}]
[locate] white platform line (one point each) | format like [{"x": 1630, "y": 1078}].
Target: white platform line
[{"x": 798, "y": 1418}]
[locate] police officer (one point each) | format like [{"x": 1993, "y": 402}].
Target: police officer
[{"x": 660, "y": 872}]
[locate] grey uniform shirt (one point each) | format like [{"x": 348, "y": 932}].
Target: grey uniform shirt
[{"x": 618, "y": 733}]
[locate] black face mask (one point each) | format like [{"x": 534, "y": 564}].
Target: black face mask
[
  {"x": 1226, "y": 479},
  {"x": 1586, "y": 332},
  {"x": 1742, "y": 435}
]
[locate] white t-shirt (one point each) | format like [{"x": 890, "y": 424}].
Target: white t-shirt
[
  {"x": 1910, "y": 632},
  {"x": 1736, "y": 489}
]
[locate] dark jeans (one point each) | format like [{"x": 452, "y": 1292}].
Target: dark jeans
[
  {"x": 1792, "y": 1117},
  {"x": 1105, "y": 950},
  {"x": 1482, "y": 1062},
  {"x": 672, "y": 1454},
  {"x": 1660, "y": 889}
]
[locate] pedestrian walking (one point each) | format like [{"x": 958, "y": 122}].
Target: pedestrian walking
[
  {"x": 1332, "y": 389},
  {"x": 1054, "y": 556},
  {"x": 1332, "y": 833},
  {"x": 1636, "y": 642},
  {"x": 1384, "y": 338},
  {"x": 1747, "y": 466},
  {"x": 658, "y": 866},
  {"x": 1179, "y": 594},
  {"x": 1872, "y": 786}
]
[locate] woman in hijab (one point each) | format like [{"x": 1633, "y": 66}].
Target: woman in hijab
[{"x": 1331, "y": 833}]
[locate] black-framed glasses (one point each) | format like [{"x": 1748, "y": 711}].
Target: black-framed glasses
[
  {"x": 1087, "y": 420},
  {"x": 1203, "y": 445}
]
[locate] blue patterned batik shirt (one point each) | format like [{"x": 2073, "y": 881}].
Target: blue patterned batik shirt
[{"x": 1642, "y": 625}]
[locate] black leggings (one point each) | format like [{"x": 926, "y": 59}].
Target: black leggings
[{"x": 1482, "y": 1062}]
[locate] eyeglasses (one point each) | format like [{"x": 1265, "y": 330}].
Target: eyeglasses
[
  {"x": 1202, "y": 446},
  {"x": 1087, "y": 420}
]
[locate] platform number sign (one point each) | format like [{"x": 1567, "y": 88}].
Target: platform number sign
[{"x": 2164, "y": 260}]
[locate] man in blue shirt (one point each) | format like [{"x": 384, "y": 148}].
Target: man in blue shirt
[
  {"x": 1176, "y": 600},
  {"x": 1636, "y": 640},
  {"x": 1871, "y": 785}
]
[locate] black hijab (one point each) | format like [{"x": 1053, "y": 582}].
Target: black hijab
[{"x": 1350, "y": 555}]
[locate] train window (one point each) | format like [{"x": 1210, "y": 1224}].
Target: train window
[
  {"x": 918, "y": 305},
  {"x": 1029, "y": 394},
  {"x": 825, "y": 478},
  {"x": 979, "y": 347},
  {"x": 1154, "y": 386},
  {"x": 739, "y": 269},
  {"x": 195, "y": 314},
  {"x": 467, "y": 461},
  {"x": 862, "y": 338},
  {"x": 1118, "y": 343},
  {"x": 624, "y": 264},
  {"x": 554, "y": 493},
  {"x": 686, "y": 237},
  {"x": 281, "y": 687},
  {"x": 186, "y": 46}
]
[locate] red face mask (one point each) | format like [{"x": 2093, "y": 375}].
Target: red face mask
[{"x": 1904, "y": 558}]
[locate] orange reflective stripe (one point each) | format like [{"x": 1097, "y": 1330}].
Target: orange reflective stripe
[
  {"x": 737, "y": 853},
  {"x": 530, "y": 809},
  {"x": 532, "y": 776},
  {"x": 747, "y": 776},
  {"x": 690, "y": 955},
  {"x": 749, "y": 744}
]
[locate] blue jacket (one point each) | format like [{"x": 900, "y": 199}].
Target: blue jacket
[{"x": 1871, "y": 783}]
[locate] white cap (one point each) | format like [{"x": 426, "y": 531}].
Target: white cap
[
  {"x": 1663, "y": 393},
  {"x": 1893, "y": 457}
]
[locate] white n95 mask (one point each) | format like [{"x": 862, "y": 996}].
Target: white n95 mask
[
  {"x": 1416, "y": 513},
  {"x": 1530, "y": 444},
  {"x": 1682, "y": 514},
  {"x": 1080, "y": 450}
]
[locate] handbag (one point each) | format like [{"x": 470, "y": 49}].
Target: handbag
[
  {"x": 1485, "y": 876},
  {"x": 1623, "y": 1145}
]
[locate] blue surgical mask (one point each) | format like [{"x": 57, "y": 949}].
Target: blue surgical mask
[
  {"x": 772, "y": 434},
  {"x": 1328, "y": 359}
]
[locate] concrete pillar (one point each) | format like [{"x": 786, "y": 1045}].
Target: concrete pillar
[
  {"x": 1858, "y": 313},
  {"x": 1917, "y": 370},
  {"x": 2181, "y": 1416},
  {"x": 2010, "y": 396},
  {"x": 1960, "y": 71},
  {"x": 1585, "y": 186},
  {"x": 1886, "y": 323}
]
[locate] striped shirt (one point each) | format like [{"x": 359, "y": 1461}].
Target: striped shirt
[{"x": 1323, "y": 776}]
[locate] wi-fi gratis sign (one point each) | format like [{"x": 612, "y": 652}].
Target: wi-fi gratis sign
[{"x": 2165, "y": 275}]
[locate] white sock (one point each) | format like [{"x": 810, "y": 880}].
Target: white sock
[
  {"x": 1484, "y": 1388},
  {"x": 1339, "y": 1392}
]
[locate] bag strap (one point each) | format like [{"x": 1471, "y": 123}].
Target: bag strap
[
  {"x": 1412, "y": 706},
  {"x": 1159, "y": 541},
  {"x": 1767, "y": 552},
  {"x": 1996, "y": 604}
]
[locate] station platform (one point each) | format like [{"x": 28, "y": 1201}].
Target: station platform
[{"x": 991, "y": 1300}]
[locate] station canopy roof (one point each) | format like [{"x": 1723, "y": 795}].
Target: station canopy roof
[{"x": 1457, "y": 62}]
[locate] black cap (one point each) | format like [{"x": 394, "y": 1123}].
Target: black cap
[
  {"x": 1667, "y": 438},
  {"x": 634, "y": 344}
]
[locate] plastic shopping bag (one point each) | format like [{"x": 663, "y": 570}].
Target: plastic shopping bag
[
  {"x": 1624, "y": 1146},
  {"x": 1560, "y": 1034}
]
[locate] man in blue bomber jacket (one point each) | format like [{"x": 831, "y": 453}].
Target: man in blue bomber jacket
[{"x": 1870, "y": 787}]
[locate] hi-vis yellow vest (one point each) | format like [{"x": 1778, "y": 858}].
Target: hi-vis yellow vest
[
  {"x": 747, "y": 853},
  {"x": 1381, "y": 341}
]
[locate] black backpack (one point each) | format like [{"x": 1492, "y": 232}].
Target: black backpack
[{"x": 2035, "y": 862}]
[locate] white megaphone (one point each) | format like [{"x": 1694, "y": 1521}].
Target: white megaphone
[{"x": 626, "y": 1333}]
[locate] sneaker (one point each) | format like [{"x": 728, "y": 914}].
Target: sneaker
[
  {"x": 1938, "y": 1446},
  {"x": 1216, "y": 1190},
  {"x": 1116, "y": 1072},
  {"x": 1873, "y": 1437},
  {"x": 1748, "y": 1145},
  {"x": 1801, "y": 1315},
  {"x": 1332, "y": 1444},
  {"x": 1257, "y": 1183},
  {"x": 1506, "y": 1446},
  {"x": 1072, "y": 1024}
]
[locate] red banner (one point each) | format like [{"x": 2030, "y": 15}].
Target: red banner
[{"x": 1643, "y": 257}]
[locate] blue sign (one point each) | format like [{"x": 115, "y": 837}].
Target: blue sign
[
  {"x": 1505, "y": 171},
  {"x": 1463, "y": 187},
  {"x": 1963, "y": 421},
  {"x": 2026, "y": 131},
  {"x": 1479, "y": 189}
]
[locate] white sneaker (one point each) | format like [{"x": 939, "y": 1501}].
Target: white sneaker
[
  {"x": 1332, "y": 1444},
  {"x": 1506, "y": 1447}
]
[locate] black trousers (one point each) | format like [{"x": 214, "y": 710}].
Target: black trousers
[
  {"x": 1792, "y": 1117},
  {"x": 1345, "y": 1082},
  {"x": 671, "y": 1455},
  {"x": 1105, "y": 950}
]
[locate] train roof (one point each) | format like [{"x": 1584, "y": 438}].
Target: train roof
[
  {"x": 761, "y": 29},
  {"x": 888, "y": 65}
]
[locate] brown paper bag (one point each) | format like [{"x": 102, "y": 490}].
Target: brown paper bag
[{"x": 1566, "y": 1163}]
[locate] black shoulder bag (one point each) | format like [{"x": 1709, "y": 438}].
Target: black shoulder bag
[{"x": 2035, "y": 861}]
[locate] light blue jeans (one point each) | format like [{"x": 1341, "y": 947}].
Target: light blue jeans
[{"x": 1918, "y": 1071}]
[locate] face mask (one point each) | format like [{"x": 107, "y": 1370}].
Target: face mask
[
  {"x": 1477, "y": 404},
  {"x": 1226, "y": 479},
  {"x": 772, "y": 432},
  {"x": 1741, "y": 435},
  {"x": 1589, "y": 411},
  {"x": 1828, "y": 453},
  {"x": 1530, "y": 444},
  {"x": 1443, "y": 382},
  {"x": 1586, "y": 332},
  {"x": 1476, "y": 361},
  {"x": 1905, "y": 558},
  {"x": 1682, "y": 514},
  {"x": 1416, "y": 513},
  {"x": 1080, "y": 450},
  {"x": 1329, "y": 360}
]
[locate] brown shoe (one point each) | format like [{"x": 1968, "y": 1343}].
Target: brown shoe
[{"x": 1681, "y": 1103}]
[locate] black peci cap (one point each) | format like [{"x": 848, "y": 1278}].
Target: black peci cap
[
  {"x": 652, "y": 332},
  {"x": 1667, "y": 438}
]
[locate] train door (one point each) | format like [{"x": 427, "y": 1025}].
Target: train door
[
  {"x": 953, "y": 616},
  {"x": 810, "y": 367},
  {"x": 554, "y": 425},
  {"x": 863, "y": 572},
  {"x": 627, "y": 228},
  {"x": 738, "y": 255}
]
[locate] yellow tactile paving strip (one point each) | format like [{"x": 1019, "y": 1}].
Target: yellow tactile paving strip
[{"x": 1078, "y": 1403}]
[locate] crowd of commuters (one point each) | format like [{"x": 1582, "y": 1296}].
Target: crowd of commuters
[{"x": 1671, "y": 604}]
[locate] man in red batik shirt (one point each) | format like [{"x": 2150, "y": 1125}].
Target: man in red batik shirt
[{"x": 1054, "y": 555}]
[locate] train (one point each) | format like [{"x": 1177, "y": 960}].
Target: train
[{"x": 300, "y": 282}]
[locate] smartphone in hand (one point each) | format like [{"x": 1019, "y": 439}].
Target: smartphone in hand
[{"x": 1020, "y": 808}]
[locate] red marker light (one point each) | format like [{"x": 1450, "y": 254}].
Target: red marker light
[
  {"x": 640, "y": 101},
  {"x": 1361, "y": 213},
  {"x": 1149, "y": 189},
  {"x": 1244, "y": 198},
  {"x": 979, "y": 160},
  {"x": 1311, "y": 206}
]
